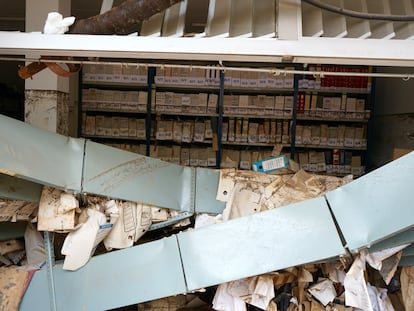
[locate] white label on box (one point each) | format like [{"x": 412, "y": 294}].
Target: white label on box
[
  {"x": 329, "y": 169},
  {"x": 201, "y": 81},
  {"x": 245, "y": 165},
  {"x": 252, "y": 83},
  {"x": 253, "y": 138},
  {"x": 270, "y": 83},
  {"x": 244, "y": 83},
  {"x": 270, "y": 165},
  {"x": 313, "y": 167},
  {"x": 211, "y": 162},
  {"x": 321, "y": 167},
  {"x": 141, "y": 134},
  {"x": 202, "y": 163},
  {"x": 349, "y": 142},
  {"x": 134, "y": 78},
  {"x": 161, "y": 135},
  {"x": 263, "y": 138},
  {"x": 186, "y": 138},
  {"x": 279, "y": 82},
  {"x": 159, "y": 79},
  {"x": 198, "y": 137},
  {"x": 332, "y": 142},
  {"x": 262, "y": 83},
  {"x": 316, "y": 140},
  {"x": 186, "y": 100}
]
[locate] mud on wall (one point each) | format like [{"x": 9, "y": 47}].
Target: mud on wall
[{"x": 48, "y": 110}]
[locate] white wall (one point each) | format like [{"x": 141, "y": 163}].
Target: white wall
[
  {"x": 393, "y": 117},
  {"x": 393, "y": 95}
]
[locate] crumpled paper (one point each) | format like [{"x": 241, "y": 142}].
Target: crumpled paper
[
  {"x": 56, "y": 24},
  {"x": 233, "y": 296}
]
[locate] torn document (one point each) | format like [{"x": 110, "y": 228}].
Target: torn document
[
  {"x": 379, "y": 299},
  {"x": 257, "y": 291},
  {"x": 324, "y": 291},
  {"x": 56, "y": 210},
  {"x": 78, "y": 244},
  {"x": 224, "y": 301},
  {"x": 356, "y": 292},
  {"x": 134, "y": 220},
  {"x": 375, "y": 259}
]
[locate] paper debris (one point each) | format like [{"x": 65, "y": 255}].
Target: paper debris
[
  {"x": 407, "y": 287},
  {"x": 56, "y": 210},
  {"x": 10, "y": 246},
  {"x": 203, "y": 220},
  {"x": 375, "y": 259},
  {"x": 224, "y": 301},
  {"x": 56, "y": 24},
  {"x": 244, "y": 201},
  {"x": 79, "y": 245},
  {"x": 356, "y": 292},
  {"x": 257, "y": 291},
  {"x": 134, "y": 220},
  {"x": 12, "y": 286},
  {"x": 379, "y": 299},
  {"x": 12, "y": 210},
  {"x": 324, "y": 291},
  {"x": 35, "y": 248}
]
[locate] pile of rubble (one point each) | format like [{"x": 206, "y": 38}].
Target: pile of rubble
[{"x": 90, "y": 225}]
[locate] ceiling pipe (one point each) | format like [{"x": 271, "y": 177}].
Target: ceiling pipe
[
  {"x": 355, "y": 14},
  {"x": 122, "y": 18},
  {"x": 117, "y": 21}
]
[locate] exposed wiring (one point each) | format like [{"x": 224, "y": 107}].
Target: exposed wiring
[{"x": 355, "y": 14}]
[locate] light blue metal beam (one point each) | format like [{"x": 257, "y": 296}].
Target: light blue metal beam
[
  {"x": 83, "y": 166},
  {"x": 207, "y": 181},
  {"x": 407, "y": 261},
  {"x": 125, "y": 175},
  {"x": 283, "y": 237},
  {"x": 14, "y": 188},
  {"x": 405, "y": 237},
  {"x": 40, "y": 156},
  {"x": 377, "y": 205},
  {"x": 374, "y": 210},
  {"x": 124, "y": 277},
  {"x": 130, "y": 176},
  {"x": 192, "y": 260}
]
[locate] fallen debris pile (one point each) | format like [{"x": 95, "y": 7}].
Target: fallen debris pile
[{"x": 91, "y": 226}]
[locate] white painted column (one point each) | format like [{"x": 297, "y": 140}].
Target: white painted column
[
  {"x": 289, "y": 20},
  {"x": 46, "y": 94}
]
